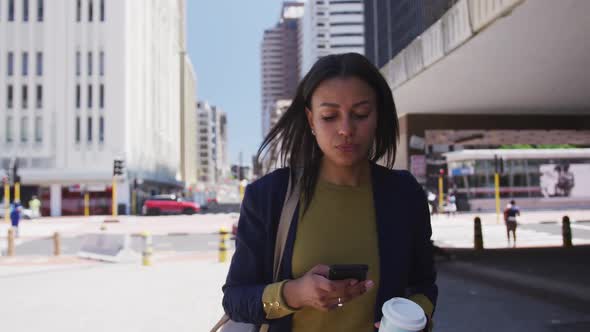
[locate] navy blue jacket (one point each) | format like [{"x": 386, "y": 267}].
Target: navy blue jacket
[{"x": 403, "y": 226}]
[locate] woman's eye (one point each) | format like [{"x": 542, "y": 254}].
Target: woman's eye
[
  {"x": 361, "y": 116},
  {"x": 328, "y": 118}
]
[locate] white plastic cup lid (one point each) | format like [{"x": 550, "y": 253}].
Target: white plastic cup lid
[{"x": 404, "y": 314}]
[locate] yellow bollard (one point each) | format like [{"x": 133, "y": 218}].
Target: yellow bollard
[
  {"x": 86, "y": 204},
  {"x": 223, "y": 233},
  {"x": 566, "y": 232},
  {"x": 56, "y": 244},
  {"x": 147, "y": 249},
  {"x": 477, "y": 235},
  {"x": 10, "y": 248}
]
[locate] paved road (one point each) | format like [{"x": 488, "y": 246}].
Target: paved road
[{"x": 185, "y": 296}]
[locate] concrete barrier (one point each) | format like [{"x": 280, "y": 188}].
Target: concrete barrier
[{"x": 113, "y": 248}]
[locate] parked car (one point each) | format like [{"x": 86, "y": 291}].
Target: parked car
[{"x": 169, "y": 204}]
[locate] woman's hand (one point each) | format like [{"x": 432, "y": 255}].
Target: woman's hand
[{"x": 315, "y": 290}]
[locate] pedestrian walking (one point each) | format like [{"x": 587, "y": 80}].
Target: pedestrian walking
[
  {"x": 349, "y": 210},
  {"x": 510, "y": 214},
  {"x": 35, "y": 206},
  {"x": 15, "y": 211}
]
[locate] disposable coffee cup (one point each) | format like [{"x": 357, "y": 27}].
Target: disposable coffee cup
[{"x": 402, "y": 315}]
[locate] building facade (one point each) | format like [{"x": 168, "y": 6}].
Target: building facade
[
  {"x": 85, "y": 82},
  {"x": 330, "y": 27},
  {"x": 279, "y": 57},
  {"x": 212, "y": 144}
]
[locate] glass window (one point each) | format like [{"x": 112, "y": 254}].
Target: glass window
[
  {"x": 10, "y": 10},
  {"x": 89, "y": 63},
  {"x": 10, "y": 64},
  {"x": 38, "y": 129},
  {"x": 25, "y": 10},
  {"x": 24, "y": 129},
  {"x": 77, "y": 129},
  {"x": 101, "y": 96},
  {"x": 101, "y": 129},
  {"x": 25, "y": 63},
  {"x": 89, "y": 130},
  {"x": 101, "y": 63},
  {"x": 78, "y": 10},
  {"x": 9, "y": 129},
  {"x": 78, "y": 97},
  {"x": 78, "y": 63},
  {"x": 9, "y": 96},
  {"x": 39, "y": 64},
  {"x": 40, "y": 11},
  {"x": 25, "y": 97},
  {"x": 90, "y": 16},
  {"x": 89, "y": 96},
  {"x": 39, "y": 96}
]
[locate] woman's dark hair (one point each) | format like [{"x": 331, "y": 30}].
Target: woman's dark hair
[{"x": 291, "y": 137}]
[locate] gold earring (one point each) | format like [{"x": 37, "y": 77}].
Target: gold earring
[{"x": 313, "y": 132}]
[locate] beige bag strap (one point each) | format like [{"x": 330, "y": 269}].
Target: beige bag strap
[{"x": 289, "y": 206}]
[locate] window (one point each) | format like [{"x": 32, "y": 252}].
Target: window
[
  {"x": 25, "y": 97},
  {"x": 8, "y": 130},
  {"x": 101, "y": 96},
  {"x": 346, "y": 13},
  {"x": 39, "y": 96},
  {"x": 39, "y": 10},
  {"x": 78, "y": 63},
  {"x": 320, "y": 24},
  {"x": 25, "y": 10},
  {"x": 101, "y": 63},
  {"x": 9, "y": 96},
  {"x": 39, "y": 64},
  {"x": 89, "y": 130},
  {"x": 78, "y": 10},
  {"x": 90, "y": 11},
  {"x": 102, "y": 10},
  {"x": 77, "y": 129},
  {"x": 89, "y": 96},
  {"x": 38, "y": 129},
  {"x": 89, "y": 63},
  {"x": 25, "y": 64},
  {"x": 24, "y": 129},
  {"x": 10, "y": 64},
  {"x": 101, "y": 129},
  {"x": 346, "y": 24},
  {"x": 10, "y": 10},
  {"x": 78, "y": 97}
]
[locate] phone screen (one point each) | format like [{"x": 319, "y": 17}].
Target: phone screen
[{"x": 348, "y": 271}]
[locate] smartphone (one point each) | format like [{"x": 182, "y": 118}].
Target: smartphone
[{"x": 348, "y": 271}]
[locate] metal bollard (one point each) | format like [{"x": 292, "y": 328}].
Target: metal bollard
[
  {"x": 566, "y": 232},
  {"x": 223, "y": 233},
  {"x": 56, "y": 244},
  {"x": 10, "y": 248},
  {"x": 477, "y": 234},
  {"x": 147, "y": 249}
]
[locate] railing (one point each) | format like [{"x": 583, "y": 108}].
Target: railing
[{"x": 460, "y": 23}]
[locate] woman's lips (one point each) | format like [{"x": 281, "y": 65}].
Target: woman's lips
[{"x": 347, "y": 147}]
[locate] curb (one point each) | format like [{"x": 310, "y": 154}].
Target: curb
[{"x": 576, "y": 294}]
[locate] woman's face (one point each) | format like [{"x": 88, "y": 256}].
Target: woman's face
[{"x": 343, "y": 116}]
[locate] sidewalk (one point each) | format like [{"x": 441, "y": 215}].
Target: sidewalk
[{"x": 555, "y": 274}]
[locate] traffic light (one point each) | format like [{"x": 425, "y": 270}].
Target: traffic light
[
  {"x": 118, "y": 167},
  {"x": 498, "y": 165}
]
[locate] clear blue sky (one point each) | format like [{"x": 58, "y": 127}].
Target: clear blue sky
[{"x": 223, "y": 38}]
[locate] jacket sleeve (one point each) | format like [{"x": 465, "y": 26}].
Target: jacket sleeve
[
  {"x": 246, "y": 280},
  {"x": 422, "y": 279}
]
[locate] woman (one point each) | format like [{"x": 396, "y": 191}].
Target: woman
[{"x": 340, "y": 123}]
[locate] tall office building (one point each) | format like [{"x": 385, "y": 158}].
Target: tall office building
[
  {"x": 329, "y": 27},
  {"x": 212, "y": 144},
  {"x": 84, "y": 82},
  {"x": 279, "y": 56}
]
